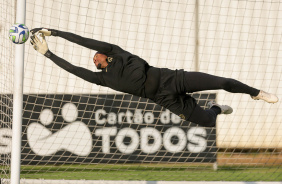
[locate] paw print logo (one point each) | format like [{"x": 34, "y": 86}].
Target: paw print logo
[{"x": 75, "y": 137}]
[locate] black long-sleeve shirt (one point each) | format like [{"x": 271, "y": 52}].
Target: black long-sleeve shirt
[{"x": 125, "y": 72}]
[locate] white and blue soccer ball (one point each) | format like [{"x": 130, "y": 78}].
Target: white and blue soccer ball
[{"x": 19, "y": 33}]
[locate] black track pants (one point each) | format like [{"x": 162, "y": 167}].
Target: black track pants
[
  {"x": 175, "y": 84},
  {"x": 197, "y": 81}
]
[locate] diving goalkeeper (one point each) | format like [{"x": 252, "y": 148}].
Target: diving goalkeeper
[{"x": 126, "y": 72}]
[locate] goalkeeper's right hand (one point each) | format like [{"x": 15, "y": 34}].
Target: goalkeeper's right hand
[
  {"x": 38, "y": 45},
  {"x": 45, "y": 31}
]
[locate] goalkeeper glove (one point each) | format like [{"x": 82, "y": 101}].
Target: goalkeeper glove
[
  {"x": 39, "y": 46},
  {"x": 45, "y": 31}
]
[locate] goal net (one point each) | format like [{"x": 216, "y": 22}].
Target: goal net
[
  {"x": 74, "y": 130},
  {"x": 7, "y": 16}
]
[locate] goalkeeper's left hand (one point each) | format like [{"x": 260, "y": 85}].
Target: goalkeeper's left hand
[
  {"x": 45, "y": 31},
  {"x": 39, "y": 46}
]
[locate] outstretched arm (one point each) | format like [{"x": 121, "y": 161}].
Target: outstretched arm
[
  {"x": 99, "y": 46},
  {"x": 83, "y": 73}
]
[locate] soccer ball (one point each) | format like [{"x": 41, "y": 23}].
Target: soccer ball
[{"x": 18, "y": 33}]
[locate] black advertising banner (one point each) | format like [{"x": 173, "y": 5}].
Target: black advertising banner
[{"x": 118, "y": 128}]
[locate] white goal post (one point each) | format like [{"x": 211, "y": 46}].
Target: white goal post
[
  {"x": 77, "y": 132},
  {"x": 18, "y": 99}
]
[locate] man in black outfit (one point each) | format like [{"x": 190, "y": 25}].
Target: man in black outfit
[{"x": 125, "y": 72}]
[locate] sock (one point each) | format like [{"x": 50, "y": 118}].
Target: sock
[{"x": 216, "y": 109}]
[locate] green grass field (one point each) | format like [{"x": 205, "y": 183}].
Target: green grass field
[{"x": 160, "y": 172}]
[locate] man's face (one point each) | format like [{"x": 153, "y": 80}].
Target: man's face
[{"x": 100, "y": 61}]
